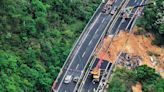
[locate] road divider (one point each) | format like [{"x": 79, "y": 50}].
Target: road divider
[
  {"x": 75, "y": 46},
  {"x": 116, "y": 60},
  {"x": 103, "y": 34}
]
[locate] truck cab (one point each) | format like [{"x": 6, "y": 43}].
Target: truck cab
[{"x": 96, "y": 76}]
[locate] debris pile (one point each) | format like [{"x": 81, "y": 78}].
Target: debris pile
[
  {"x": 129, "y": 61},
  {"x": 140, "y": 45}
]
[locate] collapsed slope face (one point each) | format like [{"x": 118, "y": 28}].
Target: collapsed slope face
[{"x": 139, "y": 45}]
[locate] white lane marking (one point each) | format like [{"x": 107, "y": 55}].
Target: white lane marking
[
  {"x": 97, "y": 18},
  {"x": 83, "y": 54},
  {"x": 90, "y": 28},
  {"x": 76, "y": 55},
  {"x": 77, "y": 66},
  {"x": 60, "y": 84},
  {"x": 80, "y": 75},
  {"x": 133, "y": 16},
  {"x": 103, "y": 20},
  {"x": 90, "y": 42},
  {"x": 94, "y": 21},
  {"x": 96, "y": 30},
  {"x": 99, "y": 26}
]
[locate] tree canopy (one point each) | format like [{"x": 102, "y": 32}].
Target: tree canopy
[
  {"x": 123, "y": 79},
  {"x": 35, "y": 39},
  {"x": 153, "y": 20}
]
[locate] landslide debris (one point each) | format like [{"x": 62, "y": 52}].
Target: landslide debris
[{"x": 133, "y": 44}]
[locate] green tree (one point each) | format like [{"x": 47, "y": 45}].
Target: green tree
[
  {"x": 36, "y": 38},
  {"x": 161, "y": 29},
  {"x": 123, "y": 79},
  {"x": 145, "y": 73},
  {"x": 153, "y": 21}
]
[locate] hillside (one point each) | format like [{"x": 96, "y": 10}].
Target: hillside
[{"x": 35, "y": 38}]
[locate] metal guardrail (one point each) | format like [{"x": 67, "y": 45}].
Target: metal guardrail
[
  {"x": 109, "y": 23},
  {"x": 76, "y": 44},
  {"x": 95, "y": 47}
]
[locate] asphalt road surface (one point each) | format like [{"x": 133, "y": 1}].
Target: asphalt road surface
[
  {"x": 65, "y": 67},
  {"x": 80, "y": 60},
  {"x": 121, "y": 24},
  {"x": 88, "y": 86}
]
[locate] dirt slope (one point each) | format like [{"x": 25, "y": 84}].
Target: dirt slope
[{"x": 135, "y": 45}]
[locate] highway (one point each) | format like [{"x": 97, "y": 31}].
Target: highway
[
  {"x": 85, "y": 46},
  {"x": 87, "y": 85},
  {"x": 122, "y": 24},
  {"x": 83, "y": 53},
  {"x": 75, "y": 48}
]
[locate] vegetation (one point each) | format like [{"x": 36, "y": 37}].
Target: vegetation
[
  {"x": 35, "y": 39},
  {"x": 153, "y": 21},
  {"x": 123, "y": 79}
]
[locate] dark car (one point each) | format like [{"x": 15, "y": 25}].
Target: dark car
[{"x": 75, "y": 79}]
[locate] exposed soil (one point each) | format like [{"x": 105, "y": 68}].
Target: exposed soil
[
  {"x": 136, "y": 45},
  {"x": 137, "y": 87}
]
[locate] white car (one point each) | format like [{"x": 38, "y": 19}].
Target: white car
[{"x": 68, "y": 79}]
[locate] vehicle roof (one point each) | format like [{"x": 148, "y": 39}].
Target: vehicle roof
[{"x": 68, "y": 77}]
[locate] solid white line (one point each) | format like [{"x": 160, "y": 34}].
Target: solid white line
[
  {"x": 83, "y": 54},
  {"x": 77, "y": 66},
  {"x": 91, "y": 27},
  {"x": 97, "y": 17},
  {"x": 96, "y": 30},
  {"x": 90, "y": 42},
  {"x": 77, "y": 50},
  {"x": 132, "y": 17},
  {"x": 103, "y": 20},
  {"x": 94, "y": 21},
  {"x": 74, "y": 57},
  {"x": 90, "y": 56}
]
